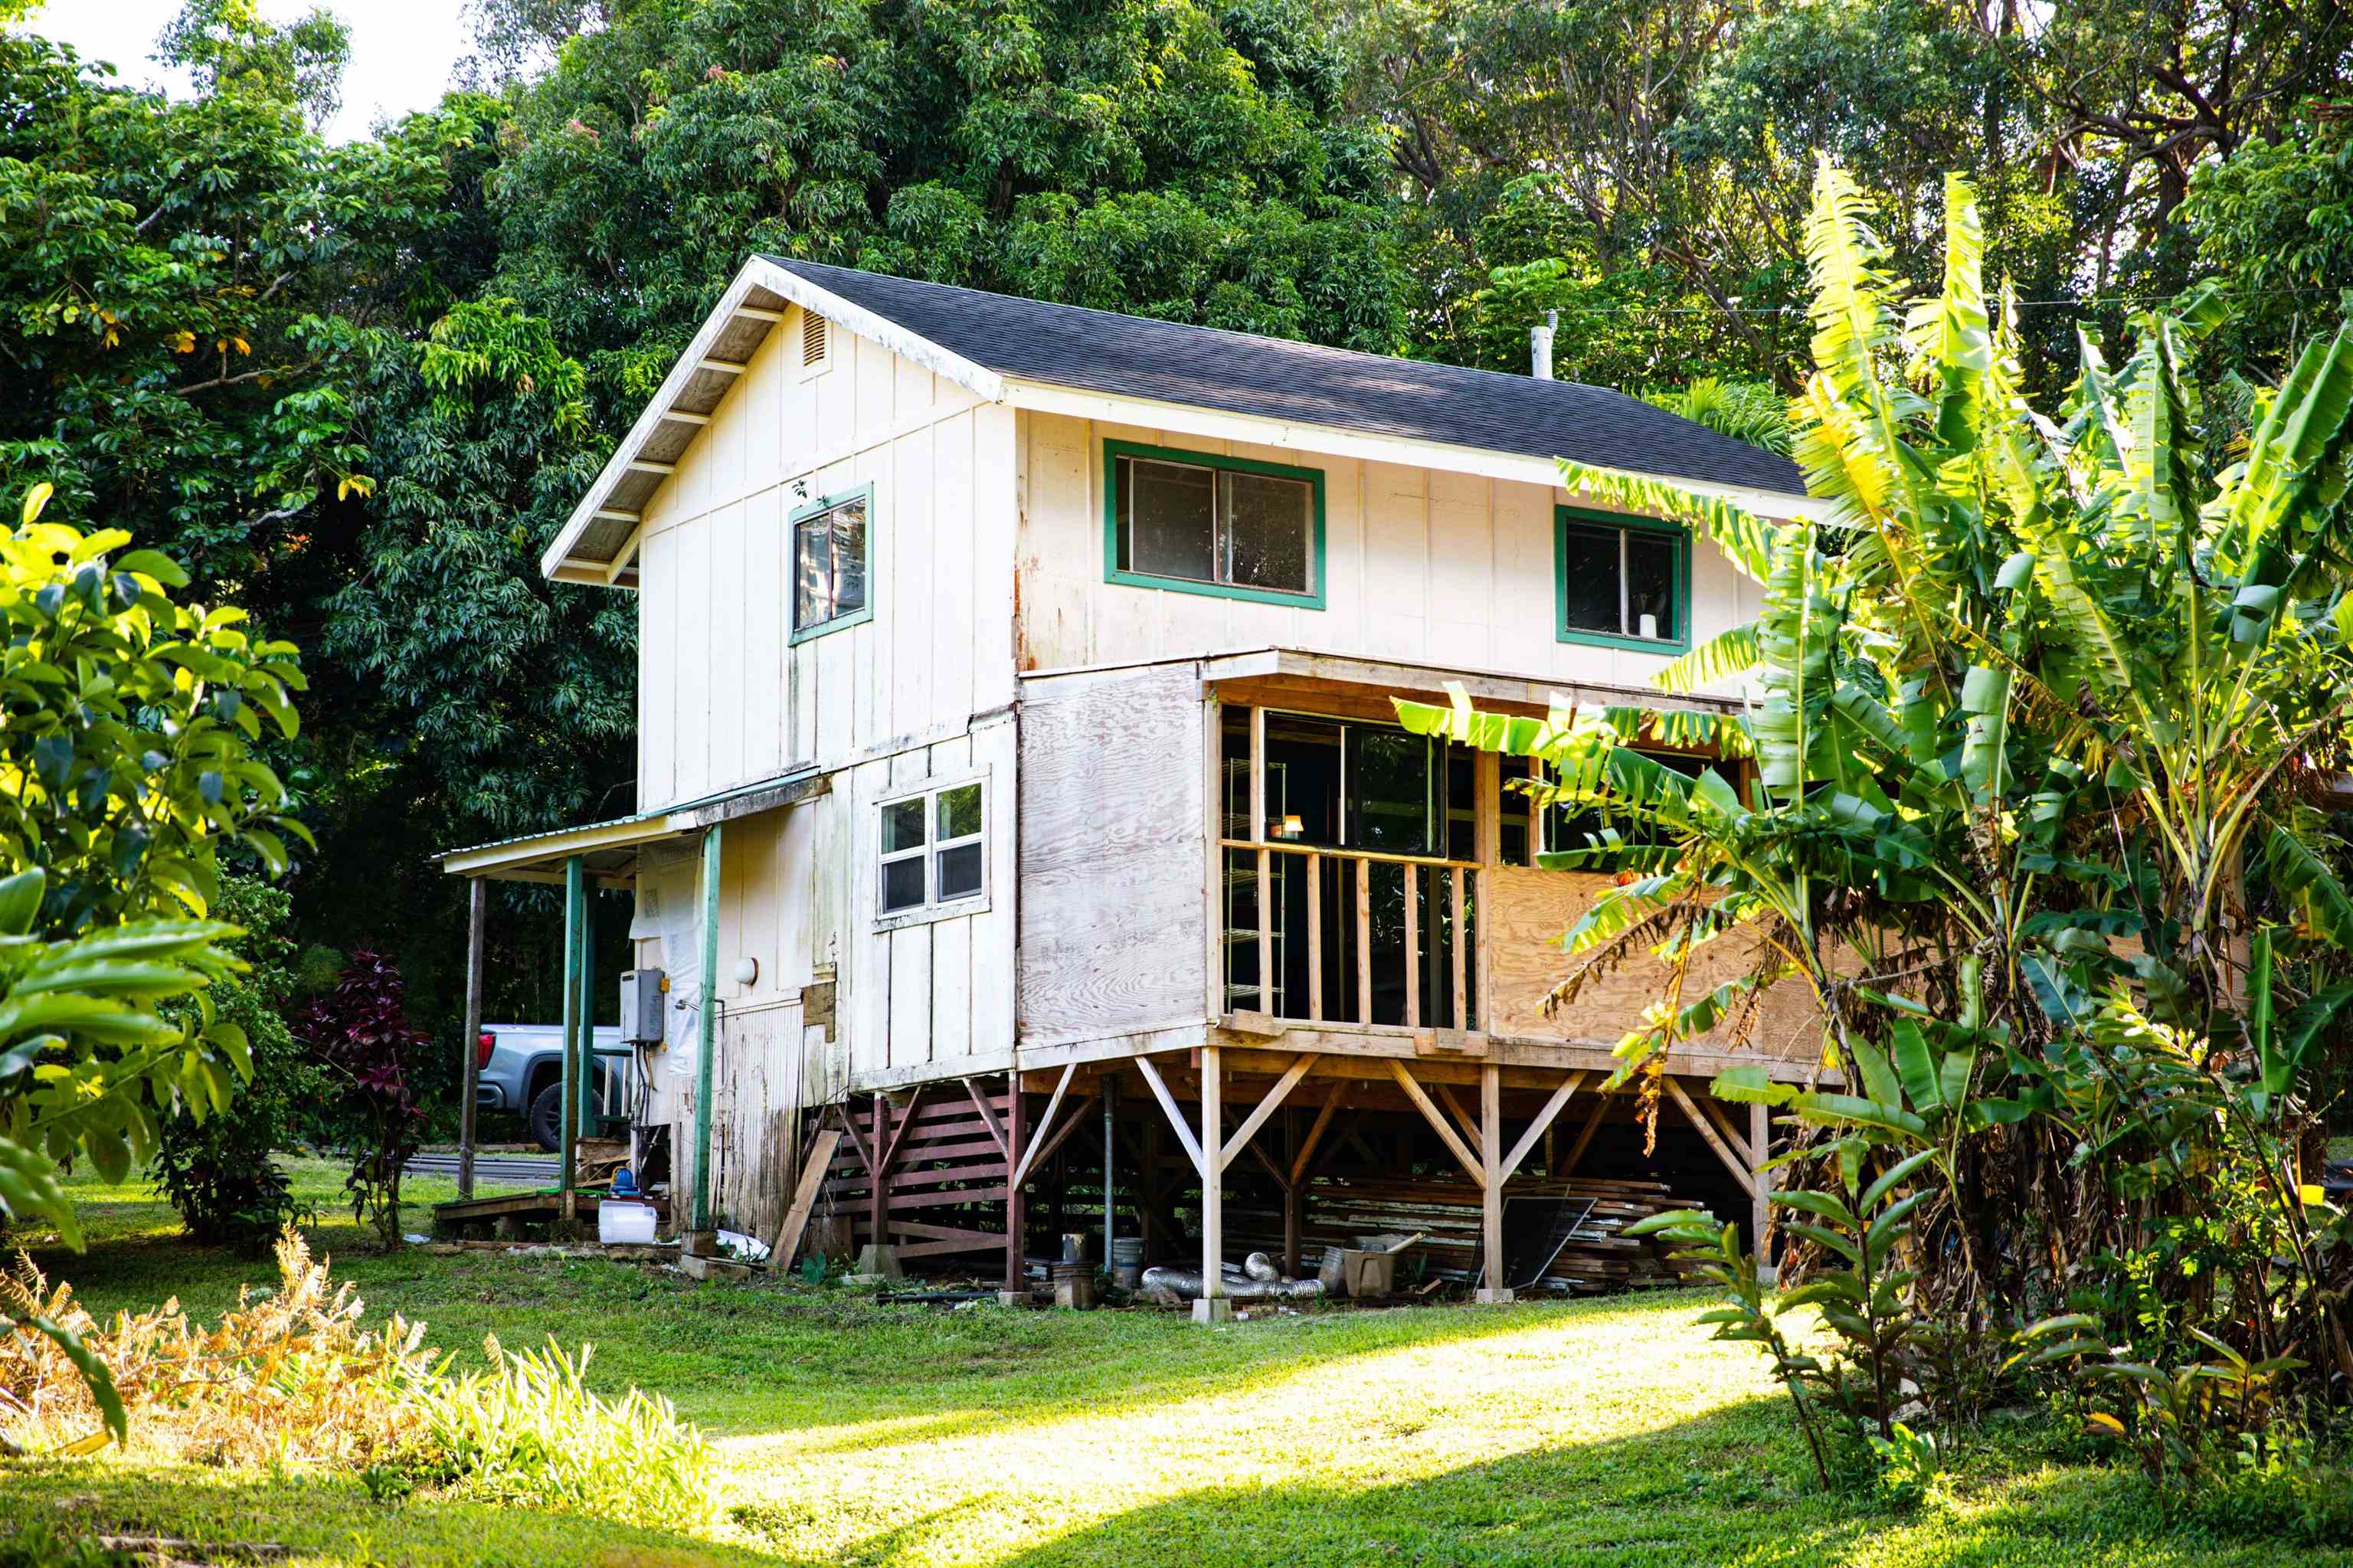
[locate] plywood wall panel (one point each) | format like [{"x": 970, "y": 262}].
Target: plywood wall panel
[{"x": 1111, "y": 853}]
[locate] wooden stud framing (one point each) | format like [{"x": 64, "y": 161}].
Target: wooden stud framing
[
  {"x": 1413, "y": 948},
  {"x": 1265, "y": 861},
  {"x": 1454, "y": 947},
  {"x": 1364, "y": 942}
]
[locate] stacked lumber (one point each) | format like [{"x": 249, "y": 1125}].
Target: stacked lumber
[{"x": 1597, "y": 1257}]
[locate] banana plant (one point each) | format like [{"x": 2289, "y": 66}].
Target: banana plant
[{"x": 2034, "y": 705}]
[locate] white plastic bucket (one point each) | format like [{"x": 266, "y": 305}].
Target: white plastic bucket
[{"x": 620, "y": 1223}]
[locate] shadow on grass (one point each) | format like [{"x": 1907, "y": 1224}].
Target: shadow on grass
[{"x": 231, "y": 1513}]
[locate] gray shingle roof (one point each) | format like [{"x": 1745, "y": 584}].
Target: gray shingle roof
[{"x": 1206, "y": 367}]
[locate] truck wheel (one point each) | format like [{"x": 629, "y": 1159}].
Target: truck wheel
[{"x": 547, "y": 1117}]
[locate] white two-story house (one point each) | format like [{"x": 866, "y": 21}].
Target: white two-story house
[{"x": 1024, "y": 674}]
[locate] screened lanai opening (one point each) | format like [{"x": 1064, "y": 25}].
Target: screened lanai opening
[
  {"x": 1372, "y": 911},
  {"x": 1363, "y": 845}
]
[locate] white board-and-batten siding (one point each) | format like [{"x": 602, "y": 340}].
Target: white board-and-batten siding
[
  {"x": 921, "y": 691},
  {"x": 1422, "y": 567},
  {"x": 724, "y": 698}
]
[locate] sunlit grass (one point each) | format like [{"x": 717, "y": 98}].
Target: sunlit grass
[{"x": 1601, "y": 1431}]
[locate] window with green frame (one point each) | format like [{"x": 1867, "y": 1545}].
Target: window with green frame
[
  {"x": 1200, "y": 523},
  {"x": 830, "y": 579},
  {"x": 1621, "y": 582}
]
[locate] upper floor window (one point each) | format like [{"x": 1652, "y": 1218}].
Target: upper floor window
[
  {"x": 1622, "y": 582},
  {"x": 933, "y": 850},
  {"x": 829, "y": 563},
  {"x": 1222, "y": 526}
]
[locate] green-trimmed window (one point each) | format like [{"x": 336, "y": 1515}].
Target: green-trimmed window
[
  {"x": 1621, "y": 582},
  {"x": 831, "y": 585},
  {"x": 1219, "y": 526}
]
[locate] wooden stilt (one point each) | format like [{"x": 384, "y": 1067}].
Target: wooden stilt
[
  {"x": 1491, "y": 1197},
  {"x": 1760, "y": 1212},
  {"x": 878, "y": 1194},
  {"x": 1016, "y": 1211},
  {"x": 1213, "y": 1307},
  {"x": 1735, "y": 1164}
]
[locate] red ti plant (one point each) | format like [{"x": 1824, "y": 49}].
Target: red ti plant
[{"x": 361, "y": 1030}]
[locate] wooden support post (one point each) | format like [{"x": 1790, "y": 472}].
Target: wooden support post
[
  {"x": 1364, "y": 942},
  {"x": 1314, "y": 937},
  {"x": 1760, "y": 1212},
  {"x": 1213, "y": 1307},
  {"x": 1412, "y": 946},
  {"x": 568, "y": 1117},
  {"x": 1265, "y": 869},
  {"x": 1017, "y": 1212},
  {"x": 1454, "y": 948},
  {"x": 878, "y": 1193},
  {"x": 1108, "y": 1084},
  {"x": 1491, "y": 1199},
  {"x": 1487, "y": 777},
  {"x": 478, "y": 892}
]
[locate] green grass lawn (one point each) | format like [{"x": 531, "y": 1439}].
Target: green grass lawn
[{"x": 1601, "y": 1432}]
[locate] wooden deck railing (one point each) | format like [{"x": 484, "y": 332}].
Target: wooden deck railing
[{"x": 1448, "y": 887}]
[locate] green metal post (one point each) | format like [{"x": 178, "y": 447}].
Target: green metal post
[
  {"x": 575, "y": 899},
  {"x": 706, "y": 1023},
  {"x": 589, "y": 1127}
]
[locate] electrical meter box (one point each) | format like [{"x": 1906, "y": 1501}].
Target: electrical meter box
[{"x": 642, "y": 1002}]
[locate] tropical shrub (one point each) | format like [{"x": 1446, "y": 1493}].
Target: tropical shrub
[
  {"x": 529, "y": 1431},
  {"x": 360, "y": 1033},
  {"x": 2026, "y": 808}
]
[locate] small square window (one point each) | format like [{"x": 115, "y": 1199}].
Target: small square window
[
  {"x": 933, "y": 850},
  {"x": 830, "y": 565}
]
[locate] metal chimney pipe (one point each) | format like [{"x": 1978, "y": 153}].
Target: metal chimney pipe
[{"x": 1540, "y": 345}]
